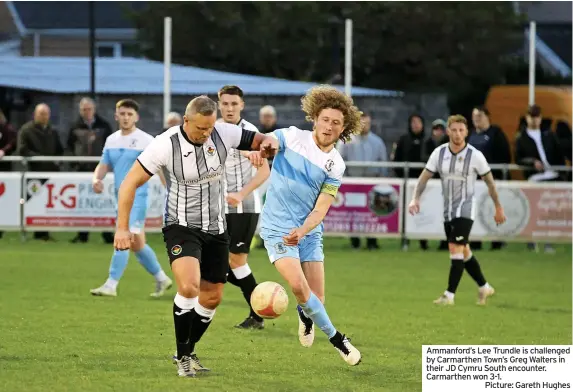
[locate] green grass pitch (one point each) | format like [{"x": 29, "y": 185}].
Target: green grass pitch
[{"x": 54, "y": 336}]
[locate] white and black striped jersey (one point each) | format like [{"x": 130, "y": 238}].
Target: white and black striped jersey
[
  {"x": 239, "y": 172},
  {"x": 194, "y": 174},
  {"x": 458, "y": 173}
]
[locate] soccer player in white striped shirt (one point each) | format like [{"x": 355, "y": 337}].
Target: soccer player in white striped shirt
[
  {"x": 192, "y": 157},
  {"x": 243, "y": 205},
  {"x": 459, "y": 164}
]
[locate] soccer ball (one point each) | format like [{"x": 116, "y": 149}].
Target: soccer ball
[{"x": 269, "y": 300}]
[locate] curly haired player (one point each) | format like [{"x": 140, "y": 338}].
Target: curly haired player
[{"x": 305, "y": 177}]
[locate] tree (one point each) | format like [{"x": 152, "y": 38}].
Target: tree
[{"x": 397, "y": 45}]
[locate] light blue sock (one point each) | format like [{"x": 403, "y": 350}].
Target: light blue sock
[
  {"x": 146, "y": 256},
  {"x": 315, "y": 310},
  {"x": 118, "y": 264}
]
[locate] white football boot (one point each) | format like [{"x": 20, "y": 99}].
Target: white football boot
[
  {"x": 185, "y": 367},
  {"x": 484, "y": 293},
  {"x": 347, "y": 351},
  {"x": 161, "y": 287},
  {"x": 104, "y": 291}
]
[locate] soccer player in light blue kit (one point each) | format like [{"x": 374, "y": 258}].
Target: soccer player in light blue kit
[
  {"x": 119, "y": 153},
  {"x": 305, "y": 177}
]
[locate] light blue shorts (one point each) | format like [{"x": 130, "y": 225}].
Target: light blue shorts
[
  {"x": 308, "y": 249},
  {"x": 137, "y": 218}
]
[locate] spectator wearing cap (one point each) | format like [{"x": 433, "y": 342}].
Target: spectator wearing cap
[
  {"x": 493, "y": 144},
  {"x": 538, "y": 150},
  {"x": 437, "y": 138},
  {"x": 365, "y": 147}
]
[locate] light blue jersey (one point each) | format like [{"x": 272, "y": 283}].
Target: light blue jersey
[
  {"x": 120, "y": 153},
  {"x": 300, "y": 172}
]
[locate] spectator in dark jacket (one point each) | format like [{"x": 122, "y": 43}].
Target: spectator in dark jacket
[
  {"x": 7, "y": 141},
  {"x": 87, "y": 137},
  {"x": 37, "y": 138},
  {"x": 490, "y": 140},
  {"x": 411, "y": 148},
  {"x": 437, "y": 138},
  {"x": 493, "y": 144},
  {"x": 538, "y": 150}
]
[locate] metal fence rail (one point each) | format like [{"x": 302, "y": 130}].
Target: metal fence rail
[{"x": 24, "y": 161}]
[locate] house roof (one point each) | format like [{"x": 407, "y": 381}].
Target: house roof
[
  {"x": 71, "y": 75},
  {"x": 40, "y": 15}
]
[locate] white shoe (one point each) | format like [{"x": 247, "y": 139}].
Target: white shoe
[
  {"x": 347, "y": 351},
  {"x": 305, "y": 334},
  {"x": 185, "y": 367},
  {"x": 161, "y": 287},
  {"x": 104, "y": 291},
  {"x": 483, "y": 293},
  {"x": 444, "y": 300}
]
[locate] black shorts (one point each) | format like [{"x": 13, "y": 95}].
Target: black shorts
[
  {"x": 212, "y": 250},
  {"x": 458, "y": 230},
  {"x": 241, "y": 228}
]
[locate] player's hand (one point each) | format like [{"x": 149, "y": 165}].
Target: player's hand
[
  {"x": 499, "y": 216},
  {"x": 269, "y": 147},
  {"x": 293, "y": 237},
  {"x": 234, "y": 199},
  {"x": 256, "y": 158},
  {"x": 122, "y": 240},
  {"x": 97, "y": 186},
  {"x": 2, "y": 153},
  {"x": 538, "y": 165},
  {"x": 414, "y": 207}
]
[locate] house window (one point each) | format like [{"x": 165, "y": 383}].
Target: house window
[{"x": 108, "y": 49}]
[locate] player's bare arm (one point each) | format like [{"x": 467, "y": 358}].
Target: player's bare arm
[
  {"x": 313, "y": 219},
  {"x": 99, "y": 174},
  {"x": 499, "y": 216},
  {"x": 414, "y": 206},
  {"x": 263, "y": 172},
  {"x": 136, "y": 177}
]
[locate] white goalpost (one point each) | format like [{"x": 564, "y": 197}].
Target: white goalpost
[
  {"x": 166, "y": 67},
  {"x": 348, "y": 58}
]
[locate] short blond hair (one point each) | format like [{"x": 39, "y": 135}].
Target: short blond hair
[
  {"x": 457, "y": 118},
  {"x": 327, "y": 97}
]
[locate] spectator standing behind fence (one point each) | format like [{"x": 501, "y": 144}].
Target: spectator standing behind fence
[
  {"x": 39, "y": 138},
  {"x": 538, "y": 150},
  {"x": 87, "y": 137},
  {"x": 437, "y": 138},
  {"x": 411, "y": 148},
  {"x": 173, "y": 119},
  {"x": 7, "y": 142},
  {"x": 493, "y": 144},
  {"x": 365, "y": 147}
]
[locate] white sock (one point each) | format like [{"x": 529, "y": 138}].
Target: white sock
[
  {"x": 111, "y": 283},
  {"x": 485, "y": 286},
  {"x": 242, "y": 271},
  {"x": 161, "y": 276},
  {"x": 185, "y": 303},
  {"x": 204, "y": 312},
  {"x": 449, "y": 295}
]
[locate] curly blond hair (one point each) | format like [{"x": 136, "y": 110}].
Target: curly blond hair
[{"x": 323, "y": 97}]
